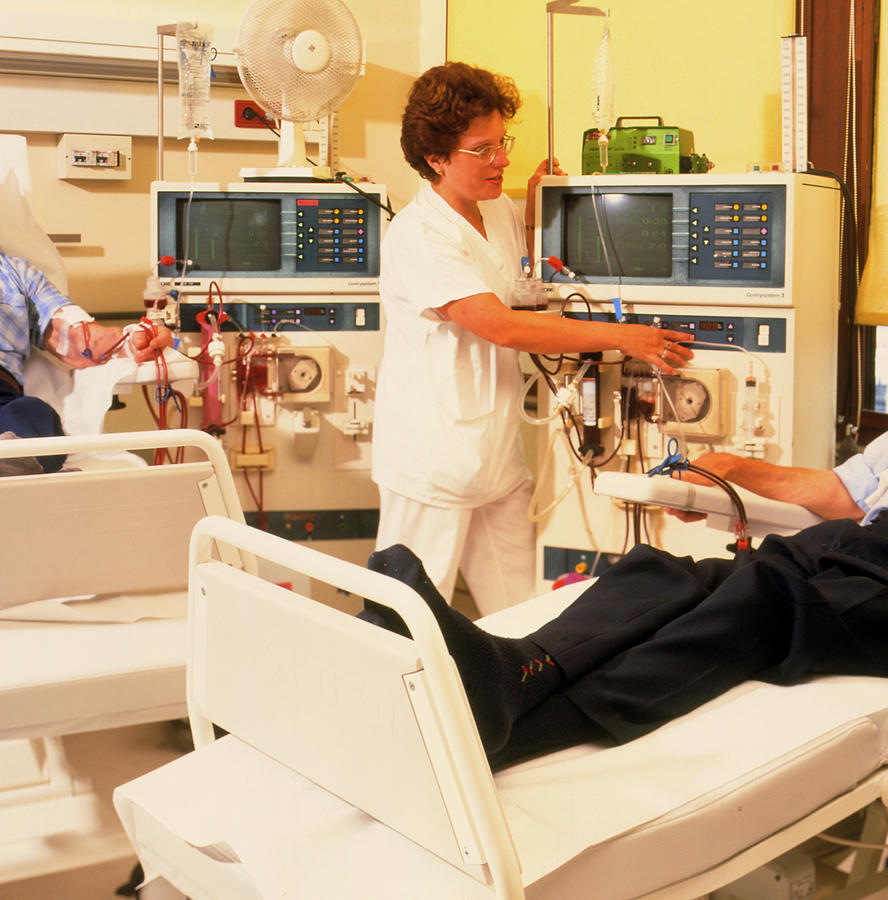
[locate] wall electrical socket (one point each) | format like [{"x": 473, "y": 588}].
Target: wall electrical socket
[
  {"x": 249, "y": 114},
  {"x": 90, "y": 157}
]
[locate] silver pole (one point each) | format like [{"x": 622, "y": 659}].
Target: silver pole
[
  {"x": 159, "y": 104},
  {"x": 168, "y": 30},
  {"x": 549, "y": 23},
  {"x": 559, "y": 6}
]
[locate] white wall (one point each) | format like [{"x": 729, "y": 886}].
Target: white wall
[{"x": 107, "y": 269}]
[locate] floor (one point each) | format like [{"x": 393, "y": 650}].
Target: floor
[{"x": 110, "y": 758}]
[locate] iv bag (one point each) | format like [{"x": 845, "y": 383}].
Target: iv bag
[
  {"x": 195, "y": 52},
  {"x": 604, "y": 88},
  {"x": 604, "y": 83}
]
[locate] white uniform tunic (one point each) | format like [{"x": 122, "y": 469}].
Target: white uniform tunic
[
  {"x": 447, "y": 454},
  {"x": 446, "y": 426}
]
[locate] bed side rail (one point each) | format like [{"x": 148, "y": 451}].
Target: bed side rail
[
  {"x": 111, "y": 529},
  {"x": 379, "y": 720}
]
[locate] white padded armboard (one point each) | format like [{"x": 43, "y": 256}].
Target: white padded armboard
[{"x": 765, "y": 516}]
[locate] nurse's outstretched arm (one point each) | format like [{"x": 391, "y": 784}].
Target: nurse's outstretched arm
[{"x": 533, "y": 332}]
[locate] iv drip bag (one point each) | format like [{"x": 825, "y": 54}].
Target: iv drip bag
[
  {"x": 195, "y": 50},
  {"x": 604, "y": 88},
  {"x": 604, "y": 83}
]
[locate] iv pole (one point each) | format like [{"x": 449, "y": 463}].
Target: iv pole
[
  {"x": 560, "y": 6},
  {"x": 162, "y": 31}
]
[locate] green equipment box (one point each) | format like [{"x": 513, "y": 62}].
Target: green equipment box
[{"x": 643, "y": 149}]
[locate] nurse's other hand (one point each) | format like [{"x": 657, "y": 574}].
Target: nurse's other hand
[{"x": 539, "y": 171}]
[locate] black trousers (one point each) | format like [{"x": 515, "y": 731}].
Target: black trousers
[
  {"x": 29, "y": 417},
  {"x": 658, "y": 635}
]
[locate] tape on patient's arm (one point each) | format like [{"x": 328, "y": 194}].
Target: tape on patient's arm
[
  {"x": 69, "y": 315},
  {"x": 128, "y": 349}
]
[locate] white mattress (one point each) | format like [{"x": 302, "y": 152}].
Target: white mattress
[
  {"x": 61, "y": 677},
  {"x": 672, "y": 799},
  {"x": 661, "y": 808}
]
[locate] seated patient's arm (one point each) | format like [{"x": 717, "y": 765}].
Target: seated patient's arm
[
  {"x": 820, "y": 491},
  {"x": 86, "y": 343}
]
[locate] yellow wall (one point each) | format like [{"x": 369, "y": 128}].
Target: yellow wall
[{"x": 712, "y": 68}]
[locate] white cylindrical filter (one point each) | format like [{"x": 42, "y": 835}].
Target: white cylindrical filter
[
  {"x": 750, "y": 407},
  {"x": 195, "y": 52},
  {"x": 604, "y": 91}
]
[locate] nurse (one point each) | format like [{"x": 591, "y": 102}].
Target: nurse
[{"x": 447, "y": 454}]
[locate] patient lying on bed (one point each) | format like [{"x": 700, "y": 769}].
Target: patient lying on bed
[
  {"x": 658, "y": 635},
  {"x": 34, "y": 313}
]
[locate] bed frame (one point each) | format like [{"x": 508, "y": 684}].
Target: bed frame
[
  {"x": 352, "y": 765},
  {"x": 119, "y": 531}
]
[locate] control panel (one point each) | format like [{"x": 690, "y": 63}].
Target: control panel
[
  {"x": 329, "y": 235},
  {"x": 758, "y": 334},
  {"x": 314, "y": 316},
  {"x": 733, "y": 234}
]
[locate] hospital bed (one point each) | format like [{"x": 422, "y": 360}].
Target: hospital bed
[
  {"x": 110, "y": 534},
  {"x": 351, "y": 766}
]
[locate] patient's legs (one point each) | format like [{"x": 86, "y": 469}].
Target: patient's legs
[
  {"x": 812, "y": 604},
  {"x": 658, "y": 635},
  {"x": 503, "y": 677},
  {"x": 27, "y": 417}
]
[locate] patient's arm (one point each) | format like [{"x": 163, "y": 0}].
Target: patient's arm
[
  {"x": 82, "y": 344},
  {"x": 822, "y": 492}
]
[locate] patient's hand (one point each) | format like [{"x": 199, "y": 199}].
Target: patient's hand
[
  {"x": 718, "y": 464},
  {"x": 147, "y": 344},
  {"x": 81, "y": 344}
]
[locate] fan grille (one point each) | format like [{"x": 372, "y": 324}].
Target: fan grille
[{"x": 265, "y": 62}]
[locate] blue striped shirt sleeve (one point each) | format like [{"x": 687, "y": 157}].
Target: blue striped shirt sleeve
[{"x": 28, "y": 301}]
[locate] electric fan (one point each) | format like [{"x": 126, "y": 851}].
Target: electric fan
[{"x": 299, "y": 60}]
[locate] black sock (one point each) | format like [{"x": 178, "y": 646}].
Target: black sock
[{"x": 503, "y": 677}]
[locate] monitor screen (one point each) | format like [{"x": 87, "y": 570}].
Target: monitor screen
[
  {"x": 223, "y": 235},
  {"x": 637, "y": 232}
]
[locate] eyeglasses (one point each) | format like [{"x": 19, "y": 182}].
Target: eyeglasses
[{"x": 486, "y": 155}]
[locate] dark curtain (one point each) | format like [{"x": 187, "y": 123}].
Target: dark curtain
[{"x": 826, "y": 24}]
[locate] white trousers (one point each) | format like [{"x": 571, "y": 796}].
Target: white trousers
[{"x": 493, "y": 545}]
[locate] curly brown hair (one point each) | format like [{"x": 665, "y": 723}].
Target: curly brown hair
[{"x": 442, "y": 103}]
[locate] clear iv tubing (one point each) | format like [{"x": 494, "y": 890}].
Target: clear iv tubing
[
  {"x": 564, "y": 396},
  {"x": 578, "y": 470}
]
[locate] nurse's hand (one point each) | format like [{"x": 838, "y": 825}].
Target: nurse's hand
[
  {"x": 532, "y": 182},
  {"x": 540, "y": 170},
  {"x": 656, "y": 346}
]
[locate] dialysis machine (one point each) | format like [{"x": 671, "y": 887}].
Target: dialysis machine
[
  {"x": 749, "y": 264},
  {"x": 275, "y": 290}
]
